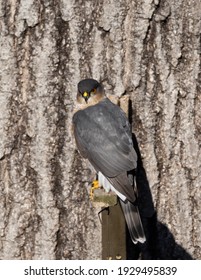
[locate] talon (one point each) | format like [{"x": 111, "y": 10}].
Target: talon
[{"x": 95, "y": 185}]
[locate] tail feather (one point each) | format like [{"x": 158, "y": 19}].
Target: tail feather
[{"x": 133, "y": 221}]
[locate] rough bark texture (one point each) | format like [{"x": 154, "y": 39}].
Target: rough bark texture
[{"x": 149, "y": 49}]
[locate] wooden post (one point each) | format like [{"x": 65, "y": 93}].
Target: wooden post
[{"x": 113, "y": 233}]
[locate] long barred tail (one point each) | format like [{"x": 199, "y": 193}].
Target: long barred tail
[{"x": 133, "y": 221}]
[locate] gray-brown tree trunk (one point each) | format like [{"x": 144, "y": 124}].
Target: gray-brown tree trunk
[{"x": 149, "y": 49}]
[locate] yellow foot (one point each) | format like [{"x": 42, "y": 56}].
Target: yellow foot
[{"x": 95, "y": 185}]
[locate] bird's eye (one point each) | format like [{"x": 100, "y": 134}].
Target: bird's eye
[{"x": 93, "y": 91}]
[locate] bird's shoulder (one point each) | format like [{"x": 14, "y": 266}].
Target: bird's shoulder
[{"x": 107, "y": 110}]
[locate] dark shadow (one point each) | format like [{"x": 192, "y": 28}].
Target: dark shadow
[{"x": 160, "y": 244}]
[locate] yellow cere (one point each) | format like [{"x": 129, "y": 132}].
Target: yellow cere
[{"x": 85, "y": 94}]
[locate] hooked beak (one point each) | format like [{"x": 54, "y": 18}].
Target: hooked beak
[{"x": 86, "y": 96}]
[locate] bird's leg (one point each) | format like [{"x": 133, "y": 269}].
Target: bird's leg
[{"x": 95, "y": 185}]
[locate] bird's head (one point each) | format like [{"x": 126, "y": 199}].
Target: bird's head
[{"x": 89, "y": 92}]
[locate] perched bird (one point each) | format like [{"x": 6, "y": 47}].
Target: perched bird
[{"x": 103, "y": 136}]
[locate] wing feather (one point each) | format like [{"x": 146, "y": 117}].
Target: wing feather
[{"x": 103, "y": 135}]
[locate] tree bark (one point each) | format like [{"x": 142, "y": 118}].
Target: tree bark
[{"x": 148, "y": 49}]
